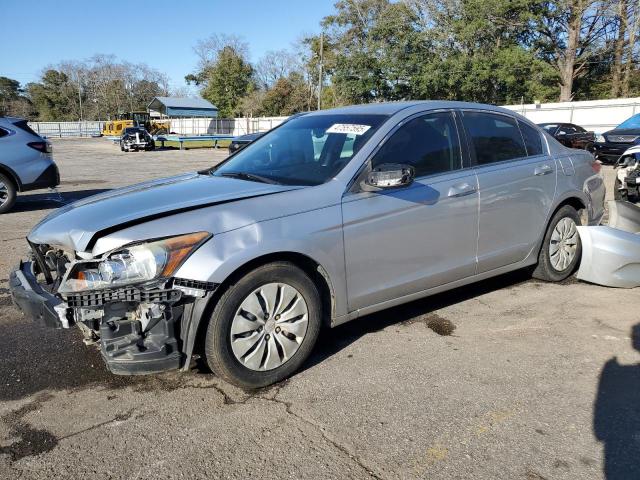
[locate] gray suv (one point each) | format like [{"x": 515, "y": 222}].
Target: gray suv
[
  {"x": 331, "y": 216},
  {"x": 26, "y": 162}
]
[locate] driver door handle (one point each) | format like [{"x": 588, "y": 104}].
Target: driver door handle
[
  {"x": 542, "y": 170},
  {"x": 461, "y": 189}
]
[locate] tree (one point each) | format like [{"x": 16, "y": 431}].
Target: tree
[
  {"x": 226, "y": 81},
  {"x": 288, "y": 96},
  {"x": 376, "y": 49},
  {"x": 13, "y": 102},
  {"x": 570, "y": 33},
  {"x": 273, "y": 66},
  {"x": 622, "y": 23},
  {"x": 98, "y": 88},
  {"x": 53, "y": 96}
]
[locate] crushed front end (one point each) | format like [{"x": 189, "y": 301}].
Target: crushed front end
[{"x": 127, "y": 302}]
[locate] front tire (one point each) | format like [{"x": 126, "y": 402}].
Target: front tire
[
  {"x": 8, "y": 194},
  {"x": 561, "y": 248},
  {"x": 264, "y": 326}
]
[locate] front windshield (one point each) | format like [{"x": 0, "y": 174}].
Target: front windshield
[
  {"x": 308, "y": 150},
  {"x": 633, "y": 122}
]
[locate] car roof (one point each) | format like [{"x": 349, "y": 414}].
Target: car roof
[
  {"x": 11, "y": 119},
  {"x": 391, "y": 108}
]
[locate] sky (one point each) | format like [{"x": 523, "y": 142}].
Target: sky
[{"x": 160, "y": 33}]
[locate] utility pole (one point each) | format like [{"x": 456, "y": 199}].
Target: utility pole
[
  {"x": 79, "y": 94},
  {"x": 320, "y": 72}
]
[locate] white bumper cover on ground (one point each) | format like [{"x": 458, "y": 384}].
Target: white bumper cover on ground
[{"x": 611, "y": 254}]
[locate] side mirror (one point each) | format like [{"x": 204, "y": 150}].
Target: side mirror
[{"x": 390, "y": 175}]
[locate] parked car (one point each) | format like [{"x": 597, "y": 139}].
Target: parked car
[
  {"x": 26, "y": 161},
  {"x": 244, "y": 262},
  {"x": 136, "y": 138},
  {"x": 610, "y": 145},
  {"x": 242, "y": 141},
  {"x": 570, "y": 135}
]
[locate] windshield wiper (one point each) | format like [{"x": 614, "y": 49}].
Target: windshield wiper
[{"x": 249, "y": 176}]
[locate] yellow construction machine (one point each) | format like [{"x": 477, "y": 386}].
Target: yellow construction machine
[{"x": 135, "y": 119}]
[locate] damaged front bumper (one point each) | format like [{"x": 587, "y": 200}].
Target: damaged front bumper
[
  {"x": 139, "y": 329},
  {"x": 34, "y": 301},
  {"x": 611, "y": 254}
]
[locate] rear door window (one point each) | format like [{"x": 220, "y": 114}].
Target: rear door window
[{"x": 495, "y": 138}]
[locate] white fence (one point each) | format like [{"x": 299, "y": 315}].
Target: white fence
[
  {"x": 67, "y": 129},
  {"x": 597, "y": 115},
  {"x": 224, "y": 126},
  {"x": 182, "y": 126}
]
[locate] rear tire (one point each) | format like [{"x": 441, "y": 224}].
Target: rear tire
[
  {"x": 561, "y": 248},
  {"x": 8, "y": 193},
  {"x": 266, "y": 357}
]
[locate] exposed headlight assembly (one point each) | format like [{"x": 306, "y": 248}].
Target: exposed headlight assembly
[
  {"x": 134, "y": 264},
  {"x": 600, "y": 138}
]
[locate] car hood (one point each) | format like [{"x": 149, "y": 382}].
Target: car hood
[
  {"x": 623, "y": 131},
  {"x": 77, "y": 225}
]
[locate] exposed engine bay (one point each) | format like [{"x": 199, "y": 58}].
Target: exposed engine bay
[
  {"x": 139, "y": 327},
  {"x": 627, "y": 185}
]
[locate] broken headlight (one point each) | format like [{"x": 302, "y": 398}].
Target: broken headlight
[{"x": 134, "y": 264}]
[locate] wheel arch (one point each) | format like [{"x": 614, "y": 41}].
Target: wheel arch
[
  {"x": 311, "y": 267},
  {"x": 12, "y": 176},
  {"x": 573, "y": 201}
]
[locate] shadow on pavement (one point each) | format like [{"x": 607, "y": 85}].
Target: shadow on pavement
[
  {"x": 616, "y": 416},
  {"x": 34, "y": 358},
  {"x": 333, "y": 340},
  {"x": 46, "y": 201}
]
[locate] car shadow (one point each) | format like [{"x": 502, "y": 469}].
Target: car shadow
[
  {"x": 46, "y": 201},
  {"x": 333, "y": 340},
  {"x": 616, "y": 416}
]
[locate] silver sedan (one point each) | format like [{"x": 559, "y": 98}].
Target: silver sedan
[{"x": 333, "y": 215}]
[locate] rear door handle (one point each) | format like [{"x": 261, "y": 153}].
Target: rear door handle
[
  {"x": 461, "y": 189},
  {"x": 542, "y": 170}
]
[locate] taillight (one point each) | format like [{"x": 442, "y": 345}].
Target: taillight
[
  {"x": 44, "y": 147},
  {"x": 596, "y": 166}
]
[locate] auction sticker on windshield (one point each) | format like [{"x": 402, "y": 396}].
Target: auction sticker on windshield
[{"x": 348, "y": 128}]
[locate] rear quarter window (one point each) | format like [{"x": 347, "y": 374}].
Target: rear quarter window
[
  {"x": 3, "y": 132},
  {"x": 24, "y": 126},
  {"x": 532, "y": 139}
]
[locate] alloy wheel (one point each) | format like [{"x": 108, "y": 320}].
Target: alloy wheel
[
  {"x": 563, "y": 244},
  {"x": 4, "y": 193},
  {"x": 269, "y": 326}
]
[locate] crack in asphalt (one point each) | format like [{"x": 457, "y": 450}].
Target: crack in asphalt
[
  {"x": 120, "y": 417},
  {"x": 342, "y": 448},
  {"x": 263, "y": 395},
  {"x": 33, "y": 441}
]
